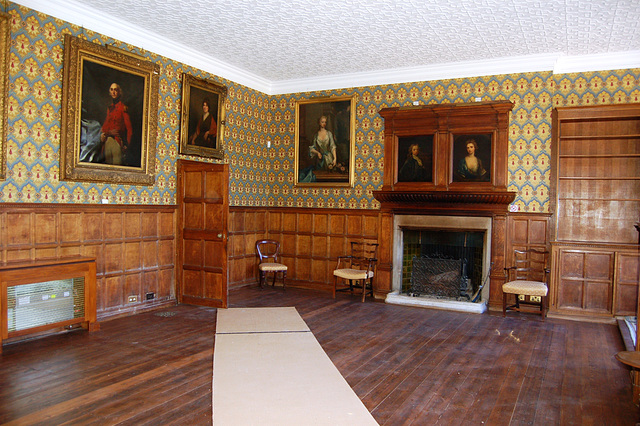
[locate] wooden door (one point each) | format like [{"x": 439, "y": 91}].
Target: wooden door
[{"x": 203, "y": 207}]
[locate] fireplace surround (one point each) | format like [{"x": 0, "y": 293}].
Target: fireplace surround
[{"x": 402, "y": 223}]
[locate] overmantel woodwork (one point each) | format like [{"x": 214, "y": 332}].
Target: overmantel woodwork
[{"x": 443, "y": 122}]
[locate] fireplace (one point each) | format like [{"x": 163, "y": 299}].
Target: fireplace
[
  {"x": 442, "y": 263},
  {"x": 457, "y": 253},
  {"x": 446, "y": 199}
]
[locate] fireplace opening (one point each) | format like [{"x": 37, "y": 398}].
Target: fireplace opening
[{"x": 442, "y": 263}]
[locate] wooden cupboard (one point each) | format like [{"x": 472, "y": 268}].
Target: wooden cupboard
[{"x": 595, "y": 194}]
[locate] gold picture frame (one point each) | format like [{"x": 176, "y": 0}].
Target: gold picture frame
[
  {"x": 109, "y": 115},
  {"x": 202, "y": 108},
  {"x": 325, "y": 158},
  {"x": 5, "y": 45}
]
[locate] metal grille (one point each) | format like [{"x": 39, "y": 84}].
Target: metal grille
[
  {"x": 49, "y": 302},
  {"x": 443, "y": 244},
  {"x": 438, "y": 277}
]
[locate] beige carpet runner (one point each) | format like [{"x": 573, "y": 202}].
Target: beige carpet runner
[{"x": 269, "y": 369}]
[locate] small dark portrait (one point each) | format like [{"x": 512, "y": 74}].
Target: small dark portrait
[
  {"x": 206, "y": 128},
  {"x": 416, "y": 165}
]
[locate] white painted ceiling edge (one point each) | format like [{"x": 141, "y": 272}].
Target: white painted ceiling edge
[{"x": 556, "y": 62}]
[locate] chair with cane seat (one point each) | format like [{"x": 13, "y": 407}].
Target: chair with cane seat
[
  {"x": 528, "y": 277},
  {"x": 268, "y": 255},
  {"x": 356, "y": 269}
]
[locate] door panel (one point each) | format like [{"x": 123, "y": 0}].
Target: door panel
[{"x": 202, "y": 227}]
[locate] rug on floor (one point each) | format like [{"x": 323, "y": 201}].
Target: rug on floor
[{"x": 269, "y": 369}]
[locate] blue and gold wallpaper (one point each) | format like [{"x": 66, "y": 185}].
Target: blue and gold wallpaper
[{"x": 262, "y": 175}]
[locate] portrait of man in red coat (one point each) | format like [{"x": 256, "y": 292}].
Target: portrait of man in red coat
[
  {"x": 116, "y": 130},
  {"x": 111, "y": 120}
]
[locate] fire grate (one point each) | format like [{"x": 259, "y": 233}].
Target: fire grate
[{"x": 438, "y": 277}]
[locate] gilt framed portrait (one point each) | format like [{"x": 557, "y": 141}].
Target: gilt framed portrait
[
  {"x": 472, "y": 157},
  {"x": 325, "y": 141},
  {"x": 202, "y": 121},
  {"x": 415, "y": 158},
  {"x": 109, "y": 115}
]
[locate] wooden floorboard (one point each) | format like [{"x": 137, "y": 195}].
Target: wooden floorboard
[{"x": 408, "y": 365}]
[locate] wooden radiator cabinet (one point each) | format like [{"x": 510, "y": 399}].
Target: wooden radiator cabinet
[
  {"x": 20, "y": 273},
  {"x": 594, "y": 279}
]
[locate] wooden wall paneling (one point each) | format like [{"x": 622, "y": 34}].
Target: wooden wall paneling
[
  {"x": 627, "y": 278},
  {"x": 131, "y": 244},
  {"x": 305, "y": 222},
  {"x": 354, "y": 225},
  {"x": 310, "y": 241},
  {"x": 383, "y": 283},
  {"x": 132, "y": 286},
  {"x": 526, "y": 231},
  {"x": 320, "y": 223},
  {"x": 71, "y": 228},
  {"x": 246, "y": 226},
  {"x": 371, "y": 226},
  {"x": 303, "y": 245},
  {"x": 595, "y": 194},
  {"x": 585, "y": 281},
  {"x": 289, "y": 222},
  {"x": 337, "y": 224},
  {"x": 45, "y": 228},
  {"x": 498, "y": 257},
  {"x": 19, "y": 233}
]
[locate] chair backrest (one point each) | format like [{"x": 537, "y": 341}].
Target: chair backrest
[
  {"x": 531, "y": 265},
  {"x": 268, "y": 250},
  {"x": 364, "y": 255}
]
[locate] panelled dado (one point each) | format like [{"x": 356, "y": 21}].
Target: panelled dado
[{"x": 134, "y": 248}]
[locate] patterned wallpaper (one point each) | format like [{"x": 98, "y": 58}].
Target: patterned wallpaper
[{"x": 262, "y": 176}]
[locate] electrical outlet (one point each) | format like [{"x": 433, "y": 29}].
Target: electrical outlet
[
  {"x": 522, "y": 297},
  {"x": 150, "y": 295},
  {"x": 536, "y": 299},
  {"x": 133, "y": 299}
]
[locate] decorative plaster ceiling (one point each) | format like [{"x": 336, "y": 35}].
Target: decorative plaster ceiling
[{"x": 282, "y": 46}]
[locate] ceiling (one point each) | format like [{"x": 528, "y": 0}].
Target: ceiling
[{"x": 286, "y": 46}]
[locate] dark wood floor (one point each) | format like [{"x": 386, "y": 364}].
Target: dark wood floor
[{"x": 408, "y": 365}]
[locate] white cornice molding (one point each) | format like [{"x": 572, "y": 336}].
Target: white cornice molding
[
  {"x": 599, "y": 62},
  {"x": 89, "y": 18},
  {"x": 512, "y": 65}
]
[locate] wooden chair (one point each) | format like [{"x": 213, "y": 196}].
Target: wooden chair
[
  {"x": 358, "y": 269},
  {"x": 528, "y": 276},
  {"x": 268, "y": 254}
]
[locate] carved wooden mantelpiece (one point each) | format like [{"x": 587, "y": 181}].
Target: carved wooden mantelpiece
[{"x": 489, "y": 201}]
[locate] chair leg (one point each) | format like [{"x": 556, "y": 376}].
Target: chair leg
[
  {"x": 543, "y": 306},
  {"x": 262, "y": 277},
  {"x": 284, "y": 276},
  {"x": 504, "y": 304},
  {"x": 364, "y": 289}
]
